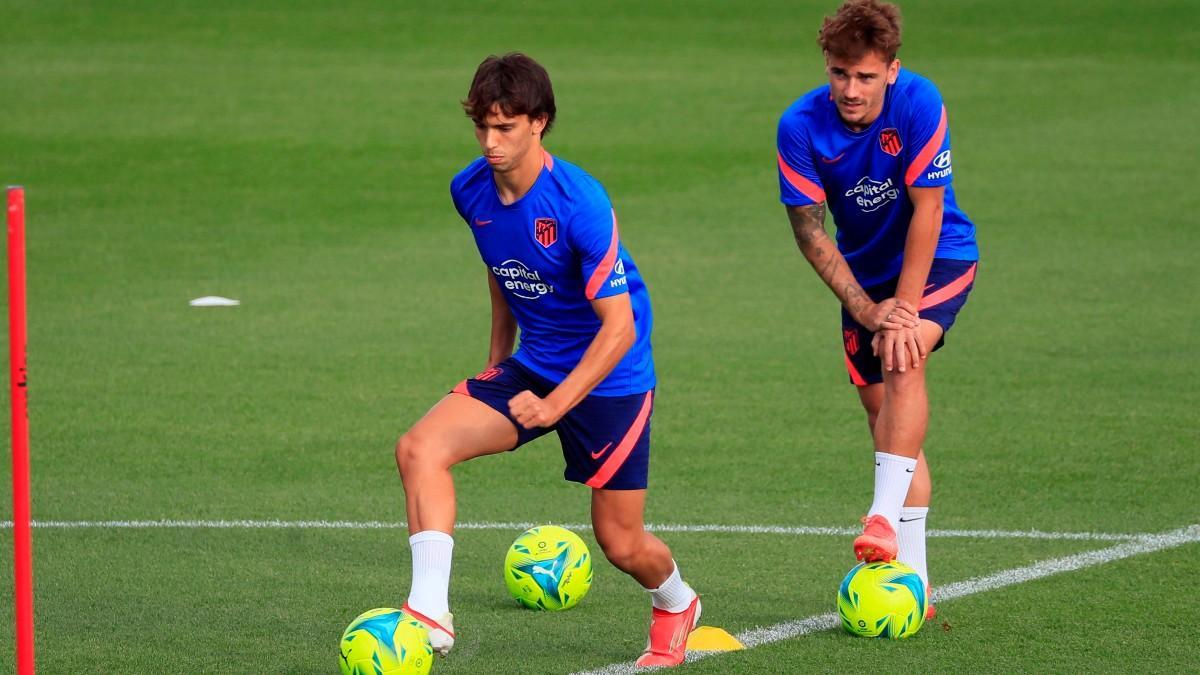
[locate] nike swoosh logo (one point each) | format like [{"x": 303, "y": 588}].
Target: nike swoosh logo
[
  {"x": 909, "y": 520},
  {"x": 908, "y": 470},
  {"x": 601, "y": 451},
  {"x": 834, "y": 160},
  {"x": 481, "y": 223}
]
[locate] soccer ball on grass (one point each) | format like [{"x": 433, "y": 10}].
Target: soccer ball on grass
[
  {"x": 882, "y": 599},
  {"x": 385, "y": 641},
  {"x": 548, "y": 568}
]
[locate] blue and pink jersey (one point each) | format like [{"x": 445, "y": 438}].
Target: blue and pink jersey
[
  {"x": 863, "y": 176},
  {"x": 552, "y": 252}
]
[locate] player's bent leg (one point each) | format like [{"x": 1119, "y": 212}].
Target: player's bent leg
[
  {"x": 458, "y": 428},
  {"x": 455, "y": 430},
  {"x": 620, "y": 531},
  {"x": 617, "y": 520}
]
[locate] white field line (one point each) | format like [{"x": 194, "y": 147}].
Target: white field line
[
  {"x": 1148, "y": 543},
  {"x": 516, "y": 527}
]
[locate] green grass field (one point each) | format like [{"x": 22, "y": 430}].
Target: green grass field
[{"x": 296, "y": 156}]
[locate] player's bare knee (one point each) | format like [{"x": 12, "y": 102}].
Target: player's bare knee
[
  {"x": 621, "y": 550},
  {"x": 911, "y": 381},
  {"x": 412, "y": 451}
]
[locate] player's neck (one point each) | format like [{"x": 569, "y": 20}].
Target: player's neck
[
  {"x": 864, "y": 123},
  {"x": 513, "y": 184}
]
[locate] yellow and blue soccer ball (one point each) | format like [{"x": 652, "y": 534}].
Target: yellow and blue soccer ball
[
  {"x": 882, "y": 599},
  {"x": 548, "y": 568},
  {"x": 385, "y": 641}
]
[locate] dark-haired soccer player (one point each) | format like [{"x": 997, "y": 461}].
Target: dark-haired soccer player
[
  {"x": 873, "y": 147},
  {"x": 556, "y": 270}
]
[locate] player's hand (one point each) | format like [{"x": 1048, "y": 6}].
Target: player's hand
[
  {"x": 890, "y": 314},
  {"x": 531, "y": 411},
  {"x": 899, "y": 349}
]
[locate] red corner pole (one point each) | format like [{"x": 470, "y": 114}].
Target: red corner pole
[{"x": 22, "y": 541}]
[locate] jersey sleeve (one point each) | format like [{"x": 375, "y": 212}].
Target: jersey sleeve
[
  {"x": 799, "y": 184},
  {"x": 594, "y": 238},
  {"x": 927, "y": 157},
  {"x": 455, "y": 188}
]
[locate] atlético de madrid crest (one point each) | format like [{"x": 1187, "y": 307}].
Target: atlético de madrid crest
[
  {"x": 889, "y": 141},
  {"x": 545, "y": 230}
]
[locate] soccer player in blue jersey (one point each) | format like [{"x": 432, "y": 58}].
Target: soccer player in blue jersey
[
  {"x": 873, "y": 147},
  {"x": 556, "y": 270}
]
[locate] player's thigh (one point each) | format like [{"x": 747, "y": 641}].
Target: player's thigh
[
  {"x": 617, "y": 514},
  {"x": 458, "y": 428},
  {"x": 930, "y": 332},
  {"x": 606, "y": 441}
]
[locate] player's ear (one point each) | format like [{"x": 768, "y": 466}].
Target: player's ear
[
  {"x": 893, "y": 71},
  {"x": 539, "y": 123}
]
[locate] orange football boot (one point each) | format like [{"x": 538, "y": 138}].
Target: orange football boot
[
  {"x": 668, "y": 636},
  {"x": 877, "y": 543}
]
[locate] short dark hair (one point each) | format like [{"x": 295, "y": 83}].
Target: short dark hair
[
  {"x": 514, "y": 82},
  {"x": 862, "y": 26}
]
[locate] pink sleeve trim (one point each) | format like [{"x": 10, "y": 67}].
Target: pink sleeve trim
[
  {"x": 606, "y": 265},
  {"x": 923, "y": 158},
  {"x": 804, "y": 185}
]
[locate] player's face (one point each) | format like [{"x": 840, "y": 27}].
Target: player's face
[
  {"x": 858, "y": 86},
  {"x": 506, "y": 141}
]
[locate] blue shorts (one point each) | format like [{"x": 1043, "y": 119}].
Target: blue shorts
[
  {"x": 605, "y": 439},
  {"x": 946, "y": 291}
]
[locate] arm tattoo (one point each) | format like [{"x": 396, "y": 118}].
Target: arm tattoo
[
  {"x": 808, "y": 223},
  {"x": 808, "y": 226}
]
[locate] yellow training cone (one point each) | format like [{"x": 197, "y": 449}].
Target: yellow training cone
[{"x": 711, "y": 639}]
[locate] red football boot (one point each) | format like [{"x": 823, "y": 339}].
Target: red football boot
[
  {"x": 668, "y": 636},
  {"x": 877, "y": 543}
]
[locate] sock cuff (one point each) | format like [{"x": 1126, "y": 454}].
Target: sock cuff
[
  {"x": 906, "y": 462},
  {"x": 430, "y": 535},
  {"x": 913, "y": 511},
  {"x": 673, "y": 576}
]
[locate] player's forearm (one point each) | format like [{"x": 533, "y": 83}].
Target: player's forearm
[
  {"x": 808, "y": 227},
  {"x": 920, "y": 245},
  {"x": 610, "y": 345},
  {"x": 504, "y": 336},
  {"x": 504, "y": 325}
]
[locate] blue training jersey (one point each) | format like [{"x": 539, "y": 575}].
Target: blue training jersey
[
  {"x": 863, "y": 176},
  {"x": 553, "y": 251}
]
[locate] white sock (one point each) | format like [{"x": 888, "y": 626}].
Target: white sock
[
  {"x": 673, "y": 595},
  {"x": 911, "y": 533},
  {"x": 430, "y": 590},
  {"x": 893, "y": 474}
]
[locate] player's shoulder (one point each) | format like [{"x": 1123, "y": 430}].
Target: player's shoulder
[
  {"x": 573, "y": 187},
  {"x": 915, "y": 90},
  {"x": 473, "y": 174},
  {"x": 807, "y": 110}
]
